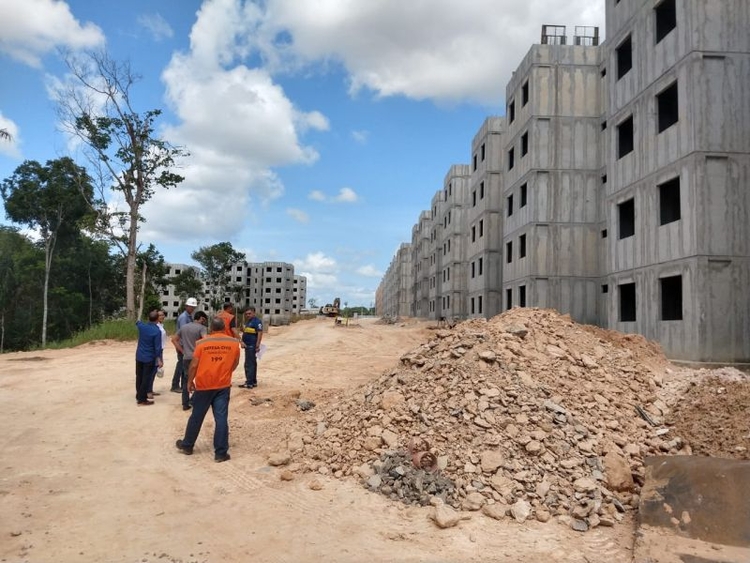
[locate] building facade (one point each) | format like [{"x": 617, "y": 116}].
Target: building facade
[
  {"x": 271, "y": 287},
  {"x": 616, "y": 188}
]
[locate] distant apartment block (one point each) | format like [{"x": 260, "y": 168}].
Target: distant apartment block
[
  {"x": 615, "y": 189},
  {"x": 271, "y": 287}
]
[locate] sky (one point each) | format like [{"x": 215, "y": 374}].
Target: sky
[{"x": 317, "y": 130}]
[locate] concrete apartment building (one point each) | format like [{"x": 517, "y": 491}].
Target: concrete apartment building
[
  {"x": 398, "y": 296},
  {"x": 617, "y": 186},
  {"x": 271, "y": 287}
]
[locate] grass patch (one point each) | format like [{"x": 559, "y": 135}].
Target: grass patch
[{"x": 115, "y": 329}]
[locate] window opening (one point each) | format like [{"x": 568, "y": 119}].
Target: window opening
[
  {"x": 626, "y": 214},
  {"x": 627, "y": 303},
  {"x": 625, "y": 137},
  {"x": 671, "y": 298}
]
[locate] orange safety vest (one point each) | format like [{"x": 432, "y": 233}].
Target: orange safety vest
[
  {"x": 227, "y": 317},
  {"x": 215, "y": 358}
]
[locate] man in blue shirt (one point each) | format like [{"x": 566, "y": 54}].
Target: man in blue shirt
[
  {"x": 148, "y": 356},
  {"x": 252, "y": 334},
  {"x": 186, "y": 317}
]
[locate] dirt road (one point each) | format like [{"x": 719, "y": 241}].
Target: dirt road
[{"x": 88, "y": 476}]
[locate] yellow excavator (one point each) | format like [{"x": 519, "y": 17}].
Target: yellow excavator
[{"x": 331, "y": 310}]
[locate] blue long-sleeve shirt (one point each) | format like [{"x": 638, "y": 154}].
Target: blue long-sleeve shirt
[{"x": 149, "y": 342}]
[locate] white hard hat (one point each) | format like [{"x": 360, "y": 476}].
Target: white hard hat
[{"x": 191, "y": 302}]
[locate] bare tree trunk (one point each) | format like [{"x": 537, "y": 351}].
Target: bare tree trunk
[
  {"x": 130, "y": 268},
  {"x": 142, "y": 297},
  {"x": 91, "y": 298},
  {"x": 49, "y": 246}
]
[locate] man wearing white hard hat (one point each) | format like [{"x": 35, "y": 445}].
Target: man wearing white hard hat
[{"x": 186, "y": 317}]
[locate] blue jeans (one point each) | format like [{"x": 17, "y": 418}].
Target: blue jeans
[
  {"x": 178, "y": 369},
  {"x": 183, "y": 382},
  {"x": 251, "y": 365},
  {"x": 218, "y": 400}
]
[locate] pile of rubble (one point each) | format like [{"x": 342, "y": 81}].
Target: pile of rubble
[{"x": 528, "y": 414}]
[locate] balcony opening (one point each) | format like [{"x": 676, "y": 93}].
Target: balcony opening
[{"x": 627, "y": 303}]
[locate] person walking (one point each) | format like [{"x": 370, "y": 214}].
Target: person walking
[
  {"x": 230, "y": 322},
  {"x": 185, "y": 317},
  {"x": 252, "y": 334},
  {"x": 184, "y": 341},
  {"x": 210, "y": 380},
  {"x": 148, "y": 357}
]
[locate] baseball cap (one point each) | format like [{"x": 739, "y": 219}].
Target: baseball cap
[{"x": 191, "y": 302}]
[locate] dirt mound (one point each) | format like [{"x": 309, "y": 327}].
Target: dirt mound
[
  {"x": 713, "y": 414},
  {"x": 529, "y": 410}
]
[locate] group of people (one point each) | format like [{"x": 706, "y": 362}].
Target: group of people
[{"x": 205, "y": 363}]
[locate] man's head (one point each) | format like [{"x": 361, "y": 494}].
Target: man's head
[
  {"x": 249, "y": 313},
  {"x": 191, "y": 304},
  {"x": 153, "y": 316},
  {"x": 228, "y": 307},
  {"x": 200, "y": 317},
  {"x": 217, "y": 324}
]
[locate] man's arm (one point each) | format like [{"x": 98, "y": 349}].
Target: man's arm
[
  {"x": 177, "y": 341},
  {"x": 191, "y": 373},
  {"x": 159, "y": 351}
]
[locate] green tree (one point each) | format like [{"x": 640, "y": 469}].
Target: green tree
[
  {"x": 20, "y": 262},
  {"x": 121, "y": 144},
  {"x": 312, "y": 302},
  {"x": 187, "y": 283},
  {"x": 48, "y": 199},
  {"x": 216, "y": 263}
]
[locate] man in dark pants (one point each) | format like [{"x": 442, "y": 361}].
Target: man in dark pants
[
  {"x": 252, "y": 334},
  {"x": 210, "y": 380},
  {"x": 185, "y": 317},
  {"x": 148, "y": 357},
  {"x": 184, "y": 341}
]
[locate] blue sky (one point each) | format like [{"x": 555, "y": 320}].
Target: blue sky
[{"x": 318, "y": 130}]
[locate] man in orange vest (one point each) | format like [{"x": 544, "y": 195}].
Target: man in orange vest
[
  {"x": 230, "y": 322},
  {"x": 210, "y": 380}
]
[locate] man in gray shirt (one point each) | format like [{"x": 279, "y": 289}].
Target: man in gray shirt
[
  {"x": 185, "y": 317},
  {"x": 184, "y": 341}
]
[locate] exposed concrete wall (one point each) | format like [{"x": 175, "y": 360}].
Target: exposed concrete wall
[{"x": 564, "y": 148}]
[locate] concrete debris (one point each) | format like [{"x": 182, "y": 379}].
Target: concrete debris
[{"x": 527, "y": 413}]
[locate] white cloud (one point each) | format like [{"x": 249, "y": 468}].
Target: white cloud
[
  {"x": 360, "y": 136},
  {"x": 369, "y": 271},
  {"x": 316, "y": 195},
  {"x": 346, "y": 195},
  {"x": 443, "y": 50},
  {"x": 10, "y": 147},
  {"x": 298, "y": 215},
  {"x": 236, "y": 122},
  {"x": 32, "y": 28},
  {"x": 156, "y": 25},
  {"x": 317, "y": 262}
]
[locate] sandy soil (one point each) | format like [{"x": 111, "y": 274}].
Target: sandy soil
[{"x": 88, "y": 476}]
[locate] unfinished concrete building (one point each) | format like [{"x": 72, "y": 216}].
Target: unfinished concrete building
[
  {"x": 271, "y": 287},
  {"x": 396, "y": 300},
  {"x": 450, "y": 300},
  {"x": 624, "y": 174},
  {"x": 484, "y": 220},
  {"x": 552, "y": 176},
  {"x": 677, "y": 199}
]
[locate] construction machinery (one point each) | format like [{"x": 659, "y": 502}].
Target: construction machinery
[{"x": 331, "y": 310}]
